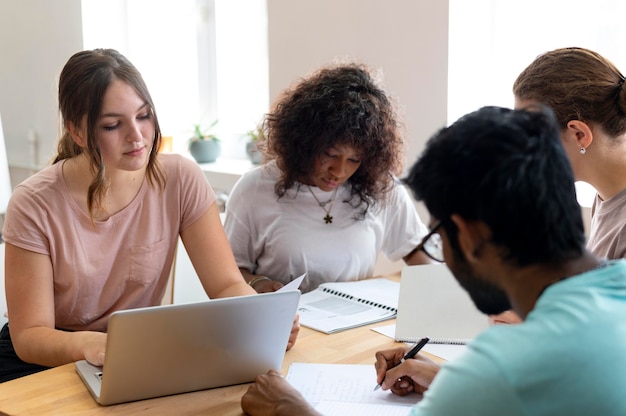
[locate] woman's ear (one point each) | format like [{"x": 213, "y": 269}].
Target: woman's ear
[
  {"x": 472, "y": 236},
  {"x": 78, "y": 134},
  {"x": 579, "y": 133}
]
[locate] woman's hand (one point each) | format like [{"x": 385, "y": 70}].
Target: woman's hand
[
  {"x": 295, "y": 330},
  {"x": 413, "y": 375},
  {"x": 506, "y": 317},
  {"x": 95, "y": 348},
  {"x": 265, "y": 286}
]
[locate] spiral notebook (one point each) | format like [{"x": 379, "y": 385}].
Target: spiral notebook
[
  {"x": 338, "y": 306},
  {"x": 432, "y": 304}
]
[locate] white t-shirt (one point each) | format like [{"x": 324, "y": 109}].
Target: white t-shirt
[{"x": 283, "y": 238}]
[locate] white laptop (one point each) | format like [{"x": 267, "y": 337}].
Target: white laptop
[
  {"x": 433, "y": 304},
  {"x": 171, "y": 349}
]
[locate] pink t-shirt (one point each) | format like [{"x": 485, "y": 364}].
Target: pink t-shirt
[
  {"x": 121, "y": 263},
  {"x": 607, "y": 237}
]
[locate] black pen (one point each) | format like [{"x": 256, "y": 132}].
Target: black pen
[{"x": 411, "y": 354}]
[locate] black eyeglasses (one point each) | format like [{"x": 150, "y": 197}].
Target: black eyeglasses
[{"x": 431, "y": 244}]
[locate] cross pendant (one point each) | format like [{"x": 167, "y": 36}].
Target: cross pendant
[{"x": 328, "y": 219}]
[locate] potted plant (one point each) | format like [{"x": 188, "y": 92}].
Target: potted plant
[
  {"x": 255, "y": 156},
  {"x": 204, "y": 146}
]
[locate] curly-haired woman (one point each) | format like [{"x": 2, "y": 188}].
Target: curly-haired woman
[{"x": 327, "y": 201}]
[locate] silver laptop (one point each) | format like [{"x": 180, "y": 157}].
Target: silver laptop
[{"x": 173, "y": 349}]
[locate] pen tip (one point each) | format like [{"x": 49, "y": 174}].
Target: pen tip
[{"x": 377, "y": 387}]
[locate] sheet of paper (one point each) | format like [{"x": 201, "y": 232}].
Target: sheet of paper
[
  {"x": 362, "y": 409},
  {"x": 343, "y": 383},
  {"x": 446, "y": 351},
  {"x": 386, "y": 330},
  {"x": 294, "y": 284}
]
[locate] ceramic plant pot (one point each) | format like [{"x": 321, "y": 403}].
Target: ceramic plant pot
[
  {"x": 253, "y": 153},
  {"x": 205, "y": 151}
]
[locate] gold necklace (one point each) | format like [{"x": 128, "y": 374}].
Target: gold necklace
[{"x": 328, "y": 219}]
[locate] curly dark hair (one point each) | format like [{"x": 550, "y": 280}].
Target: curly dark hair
[{"x": 337, "y": 105}]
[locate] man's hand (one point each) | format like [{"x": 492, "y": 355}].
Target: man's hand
[
  {"x": 413, "y": 375},
  {"x": 270, "y": 395}
]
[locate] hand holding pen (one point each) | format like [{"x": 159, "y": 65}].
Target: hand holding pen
[{"x": 381, "y": 357}]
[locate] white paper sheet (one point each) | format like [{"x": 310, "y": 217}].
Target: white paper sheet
[
  {"x": 361, "y": 409},
  {"x": 294, "y": 284},
  {"x": 446, "y": 351},
  {"x": 337, "y": 387},
  {"x": 386, "y": 330}
]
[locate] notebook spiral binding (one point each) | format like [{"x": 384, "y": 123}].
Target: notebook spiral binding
[
  {"x": 364, "y": 301},
  {"x": 450, "y": 341}
]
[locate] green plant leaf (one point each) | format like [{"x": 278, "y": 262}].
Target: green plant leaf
[{"x": 204, "y": 133}]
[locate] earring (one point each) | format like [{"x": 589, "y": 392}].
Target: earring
[{"x": 583, "y": 150}]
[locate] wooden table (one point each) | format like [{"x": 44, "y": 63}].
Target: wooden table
[{"x": 59, "y": 391}]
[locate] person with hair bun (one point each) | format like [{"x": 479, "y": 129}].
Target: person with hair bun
[{"x": 586, "y": 92}]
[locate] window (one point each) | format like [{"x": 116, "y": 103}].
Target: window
[
  {"x": 202, "y": 60},
  {"x": 492, "y": 41}
]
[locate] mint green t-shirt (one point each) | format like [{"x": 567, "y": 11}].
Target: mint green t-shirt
[{"x": 567, "y": 358}]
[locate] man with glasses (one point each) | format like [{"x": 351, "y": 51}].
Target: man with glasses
[
  {"x": 431, "y": 244},
  {"x": 500, "y": 190}
]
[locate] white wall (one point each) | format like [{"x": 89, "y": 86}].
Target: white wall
[
  {"x": 5, "y": 183},
  {"x": 3, "y": 298},
  {"x": 407, "y": 39},
  {"x": 36, "y": 38}
]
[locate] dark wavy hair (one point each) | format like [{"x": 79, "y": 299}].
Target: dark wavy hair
[
  {"x": 84, "y": 80},
  {"x": 341, "y": 104}
]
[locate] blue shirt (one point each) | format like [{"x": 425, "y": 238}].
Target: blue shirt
[{"x": 567, "y": 358}]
